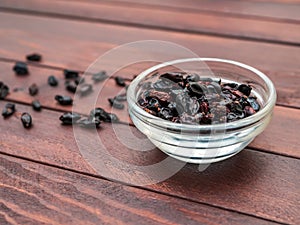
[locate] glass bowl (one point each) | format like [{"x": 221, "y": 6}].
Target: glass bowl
[{"x": 203, "y": 144}]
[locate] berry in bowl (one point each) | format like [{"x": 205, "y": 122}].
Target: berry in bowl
[{"x": 201, "y": 110}]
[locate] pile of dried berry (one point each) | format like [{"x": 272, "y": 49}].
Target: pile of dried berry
[
  {"x": 190, "y": 99},
  {"x": 73, "y": 82}
]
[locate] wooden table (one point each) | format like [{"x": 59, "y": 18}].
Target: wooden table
[{"x": 46, "y": 180}]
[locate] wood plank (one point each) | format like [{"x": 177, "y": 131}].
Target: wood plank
[
  {"x": 39, "y": 194},
  {"x": 279, "y": 62},
  {"x": 282, "y": 129},
  {"x": 66, "y": 44},
  {"x": 223, "y": 25},
  {"x": 266, "y": 9},
  {"x": 252, "y": 182}
]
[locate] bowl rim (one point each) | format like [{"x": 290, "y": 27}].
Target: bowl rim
[{"x": 195, "y": 127}]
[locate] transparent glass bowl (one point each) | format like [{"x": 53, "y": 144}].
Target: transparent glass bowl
[{"x": 204, "y": 144}]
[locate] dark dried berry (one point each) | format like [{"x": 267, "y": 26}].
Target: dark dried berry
[
  {"x": 52, "y": 81},
  {"x": 142, "y": 102},
  {"x": 36, "y": 105},
  {"x": 245, "y": 89},
  {"x": 99, "y": 114},
  {"x": 249, "y": 111},
  {"x": 206, "y": 79},
  {"x": 163, "y": 85},
  {"x": 231, "y": 85},
  {"x": 26, "y": 120},
  {"x": 115, "y": 103},
  {"x": 88, "y": 123},
  {"x": 8, "y": 110},
  {"x": 253, "y": 103},
  {"x": 214, "y": 87},
  {"x": 85, "y": 89},
  {"x": 121, "y": 97},
  {"x": 162, "y": 97},
  {"x": 172, "y": 76},
  {"x": 79, "y": 80},
  {"x": 69, "y": 118},
  {"x": 20, "y": 68},
  {"x": 71, "y": 86},
  {"x": 196, "y": 89},
  {"x": 34, "y": 57},
  {"x": 192, "y": 78},
  {"x": 4, "y": 90},
  {"x": 120, "y": 81},
  {"x": 64, "y": 100},
  {"x": 112, "y": 118},
  {"x": 70, "y": 74},
  {"x": 33, "y": 90},
  {"x": 153, "y": 104},
  {"x": 100, "y": 76},
  {"x": 231, "y": 117},
  {"x": 165, "y": 113}
]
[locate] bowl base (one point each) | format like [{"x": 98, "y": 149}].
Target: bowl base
[{"x": 201, "y": 156}]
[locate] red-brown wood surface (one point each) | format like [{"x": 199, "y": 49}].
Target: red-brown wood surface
[
  {"x": 139, "y": 15},
  {"x": 262, "y": 10},
  {"x": 51, "y": 36},
  {"x": 254, "y": 183},
  {"x": 38, "y": 194},
  {"x": 282, "y": 129},
  {"x": 55, "y": 174}
]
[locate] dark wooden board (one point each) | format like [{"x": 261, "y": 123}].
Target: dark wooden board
[
  {"x": 200, "y": 22},
  {"x": 74, "y": 44},
  {"x": 262, "y": 10},
  {"x": 38, "y": 194},
  {"x": 252, "y": 182}
]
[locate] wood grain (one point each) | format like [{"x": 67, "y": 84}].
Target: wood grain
[
  {"x": 74, "y": 44},
  {"x": 38, "y": 194},
  {"x": 267, "y": 9},
  {"x": 252, "y": 182},
  {"x": 223, "y": 25}
]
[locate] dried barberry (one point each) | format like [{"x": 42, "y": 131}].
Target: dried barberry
[
  {"x": 34, "y": 57},
  {"x": 115, "y": 103},
  {"x": 85, "y": 89},
  {"x": 21, "y": 68},
  {"x": 33, "y": 89},
  {"x": 71, "y": 74},
  {"x": 71, "y": 86},
  {"x": 120, "y": 81},
  {"x": 4, "y": 90},
  {"x": 69, "y": 118},
  {"x": 253, "y": 103},
  {"x": 100, "y": 76},
  {"x": 89, "y": 123},
  {"x": 52, "y": 81},
  {"x": 36, "y": 105},
  {"x": 26, "y": 120},
  {"x": 8, "y": 110},
  {"x": 79, "y": 80},
  {"x": 64, "y": 100},
  {"x": 245, "y": 89},
  {"x": 121, "y": 97}
]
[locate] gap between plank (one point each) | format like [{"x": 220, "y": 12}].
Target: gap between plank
[
  {"x": 133, "y": 186},
  {"x": 143, "y": 26}
]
